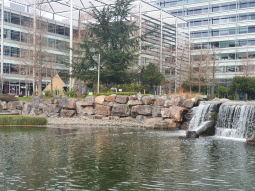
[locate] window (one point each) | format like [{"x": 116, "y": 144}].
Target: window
[
  {"x": 51, "y": 28},
  {"x": 205, "y": 10},
  {"x": 224, "y": 20},
  {"x": 197, "y": 23},
  {"x": 15, "y": 52},
  {"x": 223, "y": 7},
  {"x": 197, "y": 11},
  {"x": 15, "y": 18},
  {"x": 67, "y": 31},
  {"x": 243, "y": 30},
  {"x": 223, "y": 32},
  {"x": 224, "y": 56},
  {"x": 26, "y": 21},
  {"x": 196, "y": 34},
  {"x": 252, "y": 3},
  {"x": 215, "y": 33},
  {"x": 243, "y": 17},
  {"x": 241, "y": 55},
  {"x": 215, "y": 44},
  {"x": 6, "y": 68},
  {"x": 204, "y": 33},
  {"x": 14, "y": 69},
  {"x": 190, "y": 12},
  {"x": 7, "y": 34},
  {"x": 7, "y": 17},
  {"x": 252, "y": 17},
  {"x": 205, "y": 22},
  {"x": 223, "y": 44},
  {"x": 232, "y": 6},
  {"x": 251, "y": 42},
  {"x": 215, "y": 21},
  {"x": 60, "y": 30},
  {"x": 243, "y": 5},
  {"x": 232, "y": 31},
  {"x": 251, "y": 29},
  {"x": 231, "y": 56},
  {"x": 232, "y": 43},
  {"x": 232, "y": 19},
  {"x": 15, "y": 35},
  {"x": 51, "y": 43},
  {"x": 215, "y": 8},
  {"x": 7, "y": 51},
  {"x": 242, "y": 42}
]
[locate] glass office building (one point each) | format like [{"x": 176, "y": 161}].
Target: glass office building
[{"x": 225, "y": 24}]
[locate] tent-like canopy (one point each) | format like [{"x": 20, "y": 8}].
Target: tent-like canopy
[{"x": 57, "y": 82}]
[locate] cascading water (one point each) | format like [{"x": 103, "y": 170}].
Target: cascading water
[
  {"x": 236, "y": 119},
  {"x": 202, "y": 113}
]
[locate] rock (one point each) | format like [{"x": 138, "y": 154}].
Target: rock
[
  {"x": 111, "y": 98},
  {"x": 191, "y": 134},
  {"x": 26, "y": 108},
  {"x": 176, "y": 100},
  {"x": 132, "y": 97},
  {"x": 250, "y": 141},
  {"x": 89, "y": 110},
  {"x": 177, "y": 113},
  {"x": 67, "y": 113},
  {"x": 105, "y": 118},
  {"x": 156, "y": 111},
  {"x": 51, "y": 108},
  {"x": 173, "y": 125},
  {"x": 139, "y": 96},
  {"x": 97, "y": 117},
  {"x": 121, "y": 99},
  {"x": 1, "y": 109},
  {"x": 89, "y": 101},
  {"x": 16, "y": 112},
  {"x": 199, "y": 98},
  {"x": 79, "y": 106},
  {"x": 159, "y": 102},
  {"x": 103, "y": 110},
  {"x": 147, "y": 100},
  {"x": 134, "y": 102},
  {"x": 100, "y": 100},
  {"x": 109, "y": 103},
  {"x": 114, "y": 117},
  {"x": 55, "y": 99},
  {"x": 36, "y": 101},
  {"x": 45, "y": 101},
  {"x": 120, "y": 110},
  {"x": 156, "y": 123},
  {"x": 206, "y": 129},
  {"x": 126, "y": 119},
  {"x": 165, "y": 112},
  {"x": 188, "y": 103},
  {"x": 16, "y": 105},
  {"x": 62, "y": 103},
  {"x": 4, "y": 105},
  {"x": 224, "y": 99},
  {"x": 71, "y": 103},
  {"x": 141, "y": 110},
  {"x": 142, "y": 118}
]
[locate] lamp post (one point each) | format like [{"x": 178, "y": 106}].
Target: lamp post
[{"x": 98, "y": 73}]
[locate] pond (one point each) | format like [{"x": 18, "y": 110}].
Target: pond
[{"x": 103, "y": 158}]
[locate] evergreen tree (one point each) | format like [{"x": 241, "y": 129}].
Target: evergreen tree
[
  {"x": 112, "y": 35},
  {"x": 151, "y": 76}
]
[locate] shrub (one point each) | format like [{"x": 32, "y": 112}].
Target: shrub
[
  {"x": 71, "y": 93},
  {"x": 22, "y": 120},
  {"x": 8, "y": 98}
]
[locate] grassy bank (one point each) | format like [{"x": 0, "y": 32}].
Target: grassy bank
[{"x": 22, "y": 120}]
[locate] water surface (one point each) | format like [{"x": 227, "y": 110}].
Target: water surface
[{"x": 102, "y": 158}]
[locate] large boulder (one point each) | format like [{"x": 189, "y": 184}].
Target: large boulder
[
  {"x": 103, "y": 110},
  {"x": 55, "y": 99},
  {"x": 191, "y": 134},
  {"x": 147, "y": 100},
  {"x": 16, "y": 105},
  {"x": 79, "y": 106},
  {"x": 141, "y": 110},
  {"x": 71, "y": 103},
  {"x": 122, "y": 110},
  {"x": 199, "y": 98},
  {"x": 62, "y": 102},
  {"x": 165, "y": 112},
  {"x": 156, "y": 123},
  {"x": 100, "y": 100},
  {"x": 51, "y": 108},
  {"x": 176, "y": 100},
  {"x": 206, "y": 129},
  {"x": 132, "y": 97},
  {"x": 26, "y": 108},
  {"x": 89, "y": 101},
  {"x": 87, "y": 111},
  {"x": 134, "y": 102},
  {"x": 111, "y": 98},
  {"x": 173, "y": 125},
  {"x": 159, "y": 102},
  {"x": 4, "y": 105},
  {"x": 121, "y": 99},
  {"x": 142, "y": 118},
  {"x": 177, "y": 113},
  {"x": 250, "y": 141},
  {"x": 67, "y": 113},
  {"x": 188, "y": 103},
  {"x": 139, "y": 96},
  {"x": 156, "y": 111},
  {"x": 36, "y": 101},
  {"x": 45, "y": 101}
]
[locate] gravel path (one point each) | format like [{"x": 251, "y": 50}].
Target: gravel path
[{"x": 126, "y": 122}]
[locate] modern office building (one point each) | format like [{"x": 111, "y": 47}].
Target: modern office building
[
  {"x": 18, "y": 33},
  {"x": 225, "y": 24}
]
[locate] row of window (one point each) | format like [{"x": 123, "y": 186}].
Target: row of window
[
  {"x": 231, "y": 56},
  {"x": 20, "y": 69},
  {"x": 28, "y": 38},
  {"x": 214, "y": 8},
  {"x": 223, "y": 32},
  {"x": 222, "y": 20},
  {"x": 224, "y": 44},
  {"x": 43, "y": 25},
  {"x": 23, "y": 53},
  {"x": 169, "y": 3}
]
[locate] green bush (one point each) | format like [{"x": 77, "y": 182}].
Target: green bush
[
  {"x": 49, "y": 93},
  {"x": 22, "y": 120},
  {"x": 8, "y": 98},
  {"x": 120, "y": 93},
  {"x": 71, "y": 93}
]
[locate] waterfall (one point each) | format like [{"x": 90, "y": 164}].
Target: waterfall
[
  {"x": 236, "y": 119},
  {"x": 232, "y": 119},
  {"x": 203, "y": 113}
]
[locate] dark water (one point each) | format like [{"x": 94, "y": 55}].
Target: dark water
[{"x": 121, "y": 159}]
